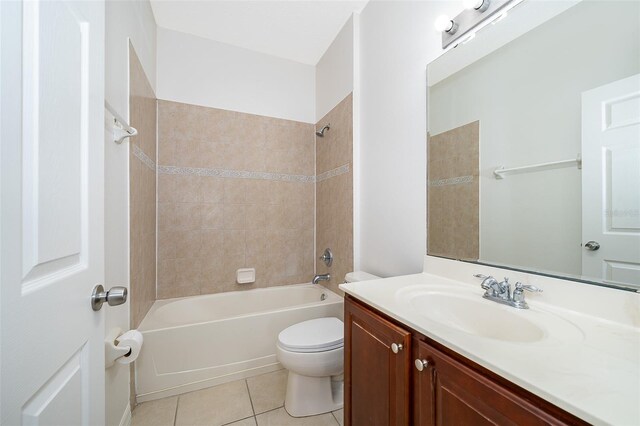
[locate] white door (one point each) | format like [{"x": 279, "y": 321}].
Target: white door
[
  {"x": 52, "y": 108},
  {"x": 611, "y": 182}
]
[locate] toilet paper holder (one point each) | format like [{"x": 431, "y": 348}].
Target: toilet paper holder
[{"x": 111, "y": 351}]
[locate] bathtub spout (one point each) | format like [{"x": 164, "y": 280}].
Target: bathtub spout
[{"x": 323, "y": 277}]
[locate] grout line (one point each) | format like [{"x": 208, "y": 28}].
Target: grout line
[
  {"x": 239, "y": 420},
  {"x": 175, "y": 414},
  {"x": 333, "y": 413},
  {"x": 253, "y": 410}
]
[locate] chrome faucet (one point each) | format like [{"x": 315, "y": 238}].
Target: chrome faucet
[
  {"x": 501, "y": 291},
  {"x": 322, "y": 277}
]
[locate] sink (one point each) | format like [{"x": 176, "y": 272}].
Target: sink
[{"x": 468, "y": 312}]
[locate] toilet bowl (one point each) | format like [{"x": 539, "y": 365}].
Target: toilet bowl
[{"x": 313, "y": 352}]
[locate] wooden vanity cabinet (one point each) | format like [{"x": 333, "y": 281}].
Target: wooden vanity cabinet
[
  {"x": 387, "y": 388},
  {"x": 448, "y": 392},
  {"x": 377, "y": 373}
]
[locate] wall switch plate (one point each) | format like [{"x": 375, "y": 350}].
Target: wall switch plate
[{"x": 246, "y": 275}]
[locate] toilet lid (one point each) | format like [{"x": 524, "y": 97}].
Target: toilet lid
[{"x": 316, "y": 335}]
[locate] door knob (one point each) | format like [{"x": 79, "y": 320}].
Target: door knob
[
  {"x": 421, "y": 364},
  {"x": 114, "y": 297},
  {"x": 395, "y": 347},
  {"x": 592, "y": 245}
]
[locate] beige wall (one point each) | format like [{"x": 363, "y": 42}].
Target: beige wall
[
  {"x": 453, "y": 193},
  {"x": 142, "y": 102},
  {"x": 334, "y": 192},
  {"x": 235, "y": 190}
]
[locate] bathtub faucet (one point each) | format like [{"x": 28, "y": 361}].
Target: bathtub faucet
[{"x": 322, "y": 277}]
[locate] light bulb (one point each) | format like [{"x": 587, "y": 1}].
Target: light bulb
[
  {"x": 444, "y": 24},
  {"x": 479, "y": 5}
]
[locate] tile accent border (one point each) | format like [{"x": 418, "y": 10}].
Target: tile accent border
[
  {"x": 237, "y": 174},
  {"x": 333, "y": 173},
  {"x": 140, "y": 155},
  {"x": 243, "y": 174},
  {"x": 450, "y": 181}
]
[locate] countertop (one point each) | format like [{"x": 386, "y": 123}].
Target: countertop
[{"x": 594, "y": 374}]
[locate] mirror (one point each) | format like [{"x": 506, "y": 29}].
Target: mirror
[{"x": 533, "y": 149}]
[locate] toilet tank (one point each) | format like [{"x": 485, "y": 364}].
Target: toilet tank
[{"x": 355, "y": 276}]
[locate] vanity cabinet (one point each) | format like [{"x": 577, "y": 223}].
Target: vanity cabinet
[
  {"x": 377, "y": 369},
  {"x": 425, "y": 384}
]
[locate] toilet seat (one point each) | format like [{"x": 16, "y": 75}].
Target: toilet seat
[{"x": 316, "y": 335}]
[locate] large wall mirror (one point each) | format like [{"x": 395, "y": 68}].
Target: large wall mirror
[{"x": 534, "y": 143}]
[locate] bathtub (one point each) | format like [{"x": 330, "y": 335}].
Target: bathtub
[{"x": 195, "y": 342}]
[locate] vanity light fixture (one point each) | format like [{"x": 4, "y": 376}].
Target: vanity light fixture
[
  {"x": 479, "y": 5},
  {"x": 476, "y": 15},
  {"x": 444, "y": 24}
]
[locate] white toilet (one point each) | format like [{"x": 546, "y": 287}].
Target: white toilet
[{"x": 313, "y": 352}]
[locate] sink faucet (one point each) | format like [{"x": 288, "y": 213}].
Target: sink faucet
[
  {"x": 322, "y": 277},
  {"x": 501, "y": 291}
]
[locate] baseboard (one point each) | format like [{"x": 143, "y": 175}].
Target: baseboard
[{"x": 126, "y": 417}]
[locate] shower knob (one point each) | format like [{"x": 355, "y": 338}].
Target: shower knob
[{"x": 327, "y": 257}]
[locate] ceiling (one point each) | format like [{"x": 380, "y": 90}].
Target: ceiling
[{"x": 297, "y": 30}]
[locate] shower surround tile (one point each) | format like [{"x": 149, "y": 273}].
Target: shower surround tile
[
  {"x": 334, "y": 193},
  {"x": 235, "y": 191},
  {"x": 142, "y": 197},
  {"x": 453, "y": 220}
]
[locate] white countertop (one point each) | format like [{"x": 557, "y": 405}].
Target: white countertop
[{"x": 594, "y": 375}]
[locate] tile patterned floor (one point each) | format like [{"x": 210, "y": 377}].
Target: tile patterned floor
[{"x": 256, "y": 401}]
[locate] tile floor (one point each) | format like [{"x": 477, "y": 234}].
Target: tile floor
[{"x": 256, "y": 401}]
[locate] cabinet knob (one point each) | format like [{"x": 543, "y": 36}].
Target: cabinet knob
[
  {"x": 421, "y": 364},
  {"x": 395, "y": 347}
]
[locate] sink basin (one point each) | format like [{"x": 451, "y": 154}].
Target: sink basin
[
  {"x": 476, "y": 317},
  {"x": 469, "y": 313}
]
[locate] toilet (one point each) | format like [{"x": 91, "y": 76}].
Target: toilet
[{"x": 313, "y": 352}]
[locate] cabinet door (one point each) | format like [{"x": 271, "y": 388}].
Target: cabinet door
[
  {"x": 449, "y": 393},
  {"x": 423, "y": 385},
  {"x": 376, "y": 377}
]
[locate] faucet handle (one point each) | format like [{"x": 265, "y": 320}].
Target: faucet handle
[
  {"x": 487, "y": 281},
  {"x": 532, "y": 288}
]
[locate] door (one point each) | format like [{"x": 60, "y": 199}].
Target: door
[
  {"x": 611, "y": 182},
  {"x": 377, "y": 375},
  {"x": 52, "y": 106}
]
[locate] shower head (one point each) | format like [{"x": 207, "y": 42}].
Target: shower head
[{"x": 320, "y": 133}]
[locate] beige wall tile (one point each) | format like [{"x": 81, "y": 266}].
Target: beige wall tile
[
  {"x": 187, "y": 189},
  {"x": 212, "y": 189},
  {"x": 188, "y": 244},
  {"x": 212, "y": 243},
  {"x": 336, "y": 147},
  {"x": 234, "y": 242},
  {"x": 212, "y": 215},
  {"x": 235, "y": 191},
  {"x": 234, "y": 216},
  {"x": 187, "y": 216},
  {"x": 142, "y": 269},
  {"x": 334, "y": 196},
  {"x": 453, "y": 220}
]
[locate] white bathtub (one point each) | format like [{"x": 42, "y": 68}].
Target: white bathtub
[{"x": 194, "y": 342}]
